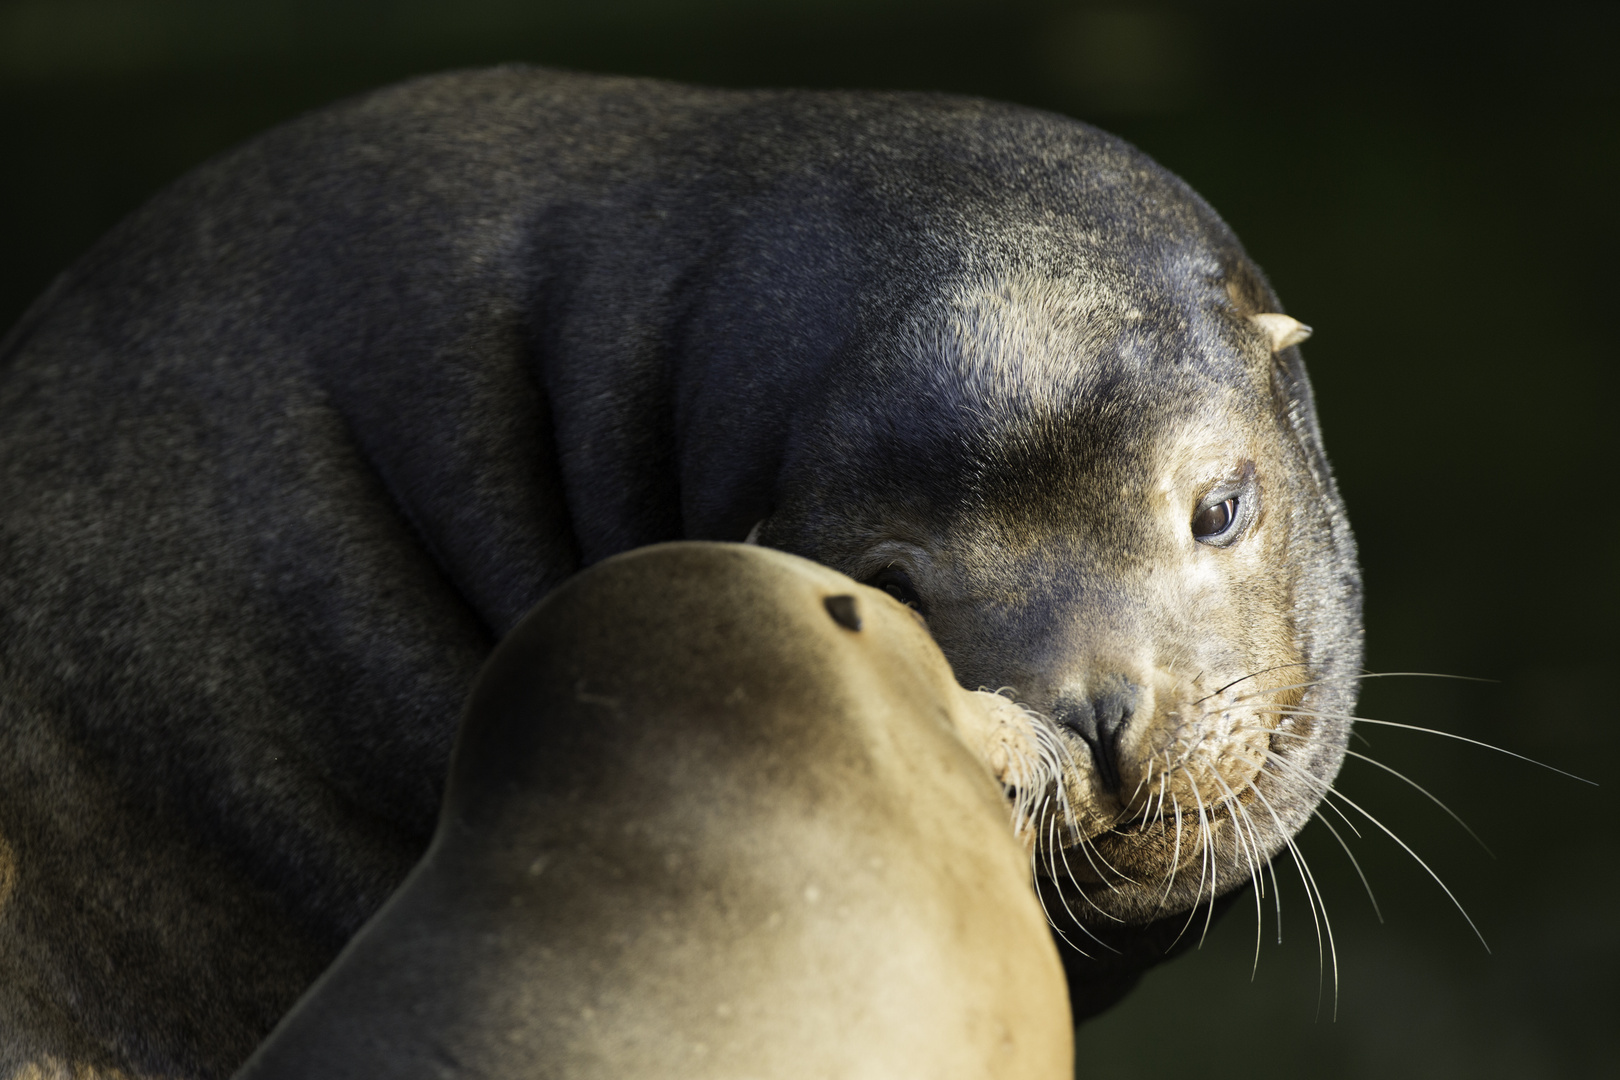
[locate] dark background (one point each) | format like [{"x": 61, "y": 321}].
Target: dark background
[{"x": 1432, "y": 190}]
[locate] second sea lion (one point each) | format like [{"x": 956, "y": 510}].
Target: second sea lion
[{"x": 712, "y": 811}]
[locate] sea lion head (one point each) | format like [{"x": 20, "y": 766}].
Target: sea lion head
[
  {"x": 714, "y": 810},
  {"x": 1094, "y": 467}
]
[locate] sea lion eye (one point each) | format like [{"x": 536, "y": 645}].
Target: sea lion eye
[
  {"x": 897, "y": 583},
  {"x": 1212, "y": 523}
]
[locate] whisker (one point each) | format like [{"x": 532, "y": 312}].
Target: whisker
[
  {"x": 1214, "y": 867},
  {"x": 1064, "y": 900},
  {"x": 1139, "y": 784},
  {"x": 1365, "y": 884},
  {"x": 1327, "y": 923},
  {"x": 1147, "y": 804},
  {"x": 1245, "y": 678},
  {"x": 1402, "y": 776},
  {"x": 1475, "y": 742},
  {"x": 1432, "y": 798},
  {"x": 1052, "y": 867},
  {"x": 1203, "y": 866},
  {"x": 1423, "y": 675},
  {"x": 1251, "y": 852},
  {"x": 1086, "y": 847},
  {"x": 1034, "y": 870},
  {"x": 1248, "y": 842},
  {"x": 1276, "y": 889},
  {"x": 1290, "y": 768},
  {"x": 1326, "y": 679},
  {"x": 1175, "y": 856},
  {"x": 1418, "y": 860},
  {"x": 1164, "y": 777},
  {"x": 1315, "y": 900},
  {"x": 1427, "y": 731}
]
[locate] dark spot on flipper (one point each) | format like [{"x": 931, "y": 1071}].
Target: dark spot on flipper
[{"x": 844, "y": 611}]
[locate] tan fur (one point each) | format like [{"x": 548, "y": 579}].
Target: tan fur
[{"x": 698, "y": 828}]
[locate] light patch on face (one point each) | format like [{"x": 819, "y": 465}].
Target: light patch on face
[
  {"x": 1021, "y": 340},
  {"x": 1209, "y": 444},
  {"x": 1205, "y": 447}
]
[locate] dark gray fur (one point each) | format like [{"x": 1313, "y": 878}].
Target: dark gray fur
[{"x": 291, "y": 448}]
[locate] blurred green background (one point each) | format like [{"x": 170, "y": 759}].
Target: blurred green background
[{"x": 1432, "y": 189}]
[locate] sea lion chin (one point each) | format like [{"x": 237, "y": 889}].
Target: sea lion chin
[{"x": 713, "y": 811}]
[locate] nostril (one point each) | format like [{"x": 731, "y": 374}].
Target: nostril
[
  {"x": 1077, "y": 715},
  {"x": 1100, "y": 719}
]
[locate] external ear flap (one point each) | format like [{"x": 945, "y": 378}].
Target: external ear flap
[{"x": 1281, "y": 330}]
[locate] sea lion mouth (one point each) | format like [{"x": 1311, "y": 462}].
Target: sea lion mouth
[
  {"x": 1139, "y": 859},
  {"x": 1196, "y": 824}
]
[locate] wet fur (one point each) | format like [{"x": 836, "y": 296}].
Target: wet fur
[{"x": 292, "y": 447}]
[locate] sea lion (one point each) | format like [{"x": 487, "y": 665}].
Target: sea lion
[
  {"x": 712, "y": 811},
  {"x": 288, "y": 452}
]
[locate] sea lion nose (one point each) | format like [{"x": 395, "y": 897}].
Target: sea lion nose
[{"x": 1100, "y": 718}]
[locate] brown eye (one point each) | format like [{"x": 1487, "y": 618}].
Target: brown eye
[{"x": 1213, "y": 521}]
